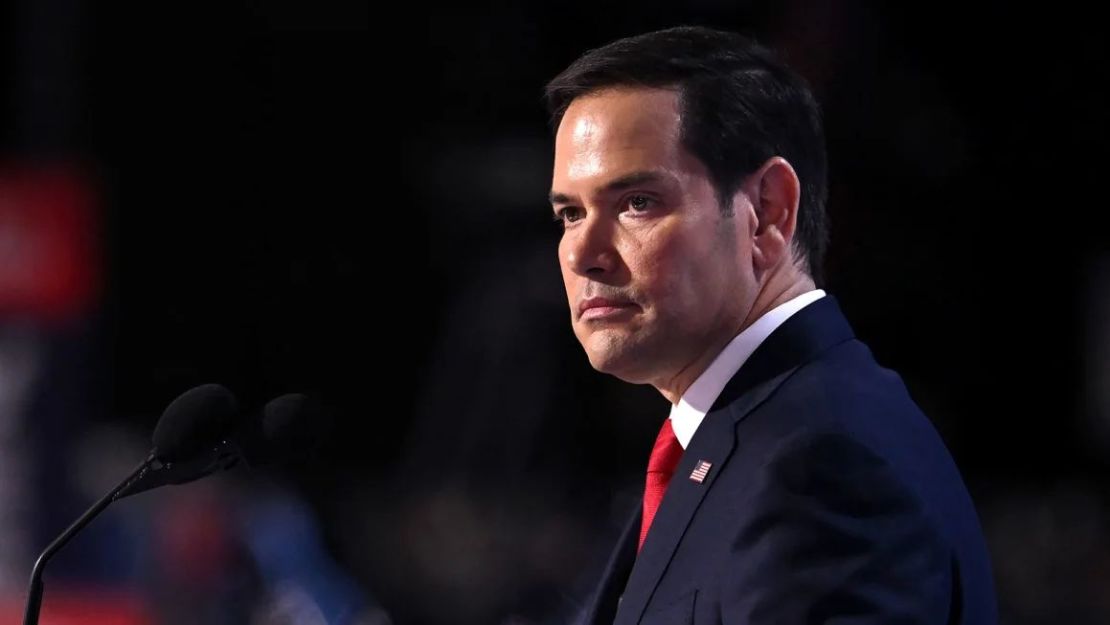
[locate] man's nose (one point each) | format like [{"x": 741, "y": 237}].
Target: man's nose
[{"x": 588, "y": 249}]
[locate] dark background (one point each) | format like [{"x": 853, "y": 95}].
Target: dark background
[{"x": 326, "y": 198}]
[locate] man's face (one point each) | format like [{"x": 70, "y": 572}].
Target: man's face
[{"x": 655, "y": 274}]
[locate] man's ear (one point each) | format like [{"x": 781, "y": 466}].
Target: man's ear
[{"x": 776, "y": 192}]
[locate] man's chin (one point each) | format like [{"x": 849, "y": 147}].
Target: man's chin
[{"x": 619, "y": 363}]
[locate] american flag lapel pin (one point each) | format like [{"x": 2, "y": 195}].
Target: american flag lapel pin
[{"x": 700, "y": 471}]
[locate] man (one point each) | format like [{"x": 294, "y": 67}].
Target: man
[{"x": 795, "y": 481}]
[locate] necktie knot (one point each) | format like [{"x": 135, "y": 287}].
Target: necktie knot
[{"x": 667, "y": 451}]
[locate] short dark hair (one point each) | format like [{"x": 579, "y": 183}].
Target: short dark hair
[{"x": 740, "y": 104}]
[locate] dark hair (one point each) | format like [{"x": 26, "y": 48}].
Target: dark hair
[{"x": 740, "y": 105}]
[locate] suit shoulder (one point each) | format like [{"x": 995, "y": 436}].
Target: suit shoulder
[{"x": 845, "y": 390}]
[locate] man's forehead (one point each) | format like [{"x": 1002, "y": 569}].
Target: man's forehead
[
  {"x": 620, "y": 116},
  {"x": 612, "y": 132}
]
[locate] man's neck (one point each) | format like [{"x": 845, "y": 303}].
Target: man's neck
[{"x": 771, "y": 296}]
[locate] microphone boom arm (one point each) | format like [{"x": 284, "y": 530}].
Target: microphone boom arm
[
  {"x": 34, "y": 593},
  {"x": 152, "y": 473}
]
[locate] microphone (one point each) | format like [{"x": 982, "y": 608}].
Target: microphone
[
  {"x": 201, "y": 432},
  {"x": 196, "y": 419},
  {"x": 289, "y": 426}
]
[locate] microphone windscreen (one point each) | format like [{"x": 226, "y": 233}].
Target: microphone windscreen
[
  {"x": 199, "y": 417},
  {"x": 290, "y": 426}
]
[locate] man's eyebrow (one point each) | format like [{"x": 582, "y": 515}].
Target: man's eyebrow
[{"x": 626, "y": 181}]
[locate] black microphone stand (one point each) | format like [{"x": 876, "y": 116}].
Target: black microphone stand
[
  {"x": 152, "y": 473},
  {"x": 34, "y": 594}
]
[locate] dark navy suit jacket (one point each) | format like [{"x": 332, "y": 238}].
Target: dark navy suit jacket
[{"x": 830, "y": 498}]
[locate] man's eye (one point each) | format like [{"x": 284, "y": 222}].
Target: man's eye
[
  {"x": 639, "y": 202},
  {"x": 568, "y": 214}
]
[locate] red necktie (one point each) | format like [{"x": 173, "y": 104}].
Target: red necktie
[{"x": 664, "y": 460}]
